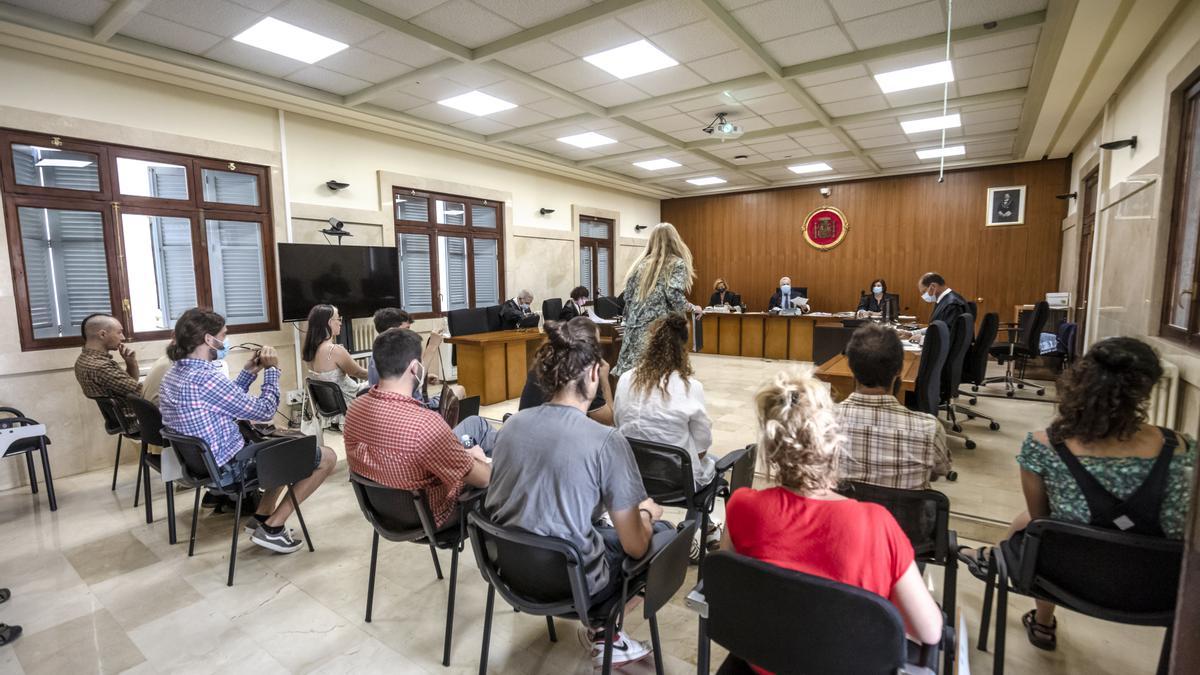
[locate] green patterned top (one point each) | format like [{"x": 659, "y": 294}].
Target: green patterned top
[{"x": 1119, "y": 475}]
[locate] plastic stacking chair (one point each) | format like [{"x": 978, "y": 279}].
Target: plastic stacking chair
[
  {"x": 150, "y": 424},
  {"x": 327, "y": 398},
  {"x": 18, "y": 436}
]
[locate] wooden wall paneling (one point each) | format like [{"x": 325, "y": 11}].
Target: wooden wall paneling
[
  {"x": 775, "y": 337},
  {"x": 730, "y": 328},
  {"x": 752, "y": 335},
  {"x": 711, "y": 333}
]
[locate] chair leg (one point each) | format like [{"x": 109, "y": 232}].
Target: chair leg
[
  {"x": 949, "y": 593},
  {"x": 550, "y": 629},
  {"x": 32, "y": 475},
  {"x": 195, "y": 512},
  {"x": 703, "y": 548},
  {"x": 656, "y": 644},
  {"x": 300, "y": 517},
  {"x": 137, "y": 484},
  {"x": 437, "y": 565},
  {"x": 170, "y": 485},
  {"x": 1164, "y": 657},
  {"x": 371, "y": 574},
  {"x": 146, "y": 485},
  {"x": 487, "y": 629},
  {"x": 985, "y": 616},
  {"x": 450, "y": 608},
  {"x": 49, "y": 478},
  {"x": 116, "y": 463},
  {"x": 237, "y": 525},
  {"x": 702, "y": 648},
  {"x": 1001, "y": 625},
  {"x": 609, "y": 629}
]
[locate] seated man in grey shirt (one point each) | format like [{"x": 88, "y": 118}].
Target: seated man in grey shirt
[{"x": 556, "y": 472}]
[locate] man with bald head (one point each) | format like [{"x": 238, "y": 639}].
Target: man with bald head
[{"x": 97, "y": 371}]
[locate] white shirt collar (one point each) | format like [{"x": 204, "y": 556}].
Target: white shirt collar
[{"x": 942, "y": 294}]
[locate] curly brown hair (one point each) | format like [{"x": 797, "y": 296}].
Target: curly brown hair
[
  {"x": 666, "y": 353},
  {"x": 1106, "y": 393},
  {"x": 799, "y": 431},
  {"x": 190, "y": 329},
  {"x": 570, "y": 349}
]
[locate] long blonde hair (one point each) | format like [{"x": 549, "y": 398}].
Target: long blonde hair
[
  {"x": 799, "y": 431},
  {"x": 664, "y": 245}
]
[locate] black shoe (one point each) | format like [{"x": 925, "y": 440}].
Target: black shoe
[{"x": 8, "y": 633}]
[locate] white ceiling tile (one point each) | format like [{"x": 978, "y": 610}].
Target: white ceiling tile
[
  {"x": 885, "y": 141},
  {"x": 400, "y": 47},
  {"x": 750, "y": 122},
  {"x": 797, "y": 116},
  {"x": 990, "y": 63},
  {"x": 1003, "y": 112},
  {"x": 832, "y": 75},
  {"x": 575, "y": 75},
  {"x": 897, "y": 25},
  {"x": 794, "y": 153},
  {"x": 651, "y": 113},
  {"x": 364, "y": 65},
  {"x": 849, "y": 10},
  {"x": 876, "y": 130},
  {"x": 555, "y": 108},
  {"x": 993, "y": 127},
  {"x": 440, "y": 113},
  {"x": 596, "y": 37},
  {"x": 907, "y": 60},
  {"x": 777, "y": 18},
  {"x": 529, "y": 13},
  {"x": 261, "y": 5},
  {"x": 644, "y": 142},
  {"x": 169, "y": 34},
  {"x": 483, "y": 126},
  {"x": 652, "y": 18},
  {"x": 826, "y": 149},
  {"x": 998, "y": 82},
  {"x": 856, "y": 105},
  {"x": 816, "y": 44},
  {"x": 466, "y": 23},
  {"x": 692, "y": 134},
  {"x": 327, "y": 19},
  {"x": 737, "y": 4},
  {"x": 472, "y": 76},
  {"x": 667, "y": 80},
  {"x": 435, "y": 89},
  {"x": 814, "y": 137},
  {"x": 726, "y": 66},
  {"x": 613, "y": 93},
  {"x": 844, "y": 90},
  {"x": 758, "y": 91},
  {"x": 928, "y": 94},
  {"x": 991, "y": 43},
  {"x": 673, "y": 123},
  {"x": 327, "y": 80},
  {"x": 514, "y": 92},
  {"x": 771, "y": 104},
  {"x": 706, "y": 103},
  {"x": 693, "y": 41},
  {"x": 405, "y": 9},
  {"x": 977, "y": 12},
  {"x": 252, "y": 58},
  {"x": 398, "y": 100},
  {"x": 217, "y": 16},
  {"x": 519, "y": 117},
  {"x": 776, "y": 145},
  {"x": 80, "y": 11},
  {"x": 535, "y": 56}
]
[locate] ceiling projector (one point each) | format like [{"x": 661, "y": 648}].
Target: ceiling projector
[{"x": 722, "y": 128}]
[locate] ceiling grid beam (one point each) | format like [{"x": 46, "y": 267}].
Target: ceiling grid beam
[{"x": 115, "y": 18}]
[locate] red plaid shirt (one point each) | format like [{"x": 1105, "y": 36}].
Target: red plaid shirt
[{"x": 396, "y": 441}]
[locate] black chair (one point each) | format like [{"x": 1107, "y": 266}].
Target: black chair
[
  {"x": 962, "y": 334},
  {"x": 404, "y": 516},
  {"x": 150, "y": 424},
  {"x": 975, "y": 367},
  {"x": 551, "y": 308},
  {"x": 769, "y": 616},
  {"x": 829, "y": 341},
  {"x": 1022, "y": 346},
  {"x": 492, "y": 316},
  {"x": 667, "y": 474},
  {"x": 328, "y": 401},
  {"x": 544, "y": 576},
  {"x": 27, "y": 445},
  {"x": 121, "y": 425},
  {"x": 927, "y": 390},
  {"x": 1106, "y": 574},
  {"x": 270, "y": 469},
  {"x": 924, "y": 515},
  {"x": 467, "y": 322},
  {"x": 608, "y": 307}
]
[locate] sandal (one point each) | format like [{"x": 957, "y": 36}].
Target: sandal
[
  {"x": 5, "y": 594},
  {"x": 1040, "y": 635},
  {"x": 8, "y": 633},
  {"x": 976, "y": 564}
]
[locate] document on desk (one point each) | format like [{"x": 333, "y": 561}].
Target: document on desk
[{"x": 596, "y": 319}]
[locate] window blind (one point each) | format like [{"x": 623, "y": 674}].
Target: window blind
[
  {"x": 235, "y": 259},
  {"x": 585, "y": 267},
  {"x": 411, "y": 208},
  {"x": 487, "y": 273},
  {"x": 416, "y": 279},
  {"x": 168, "y": 182},
  {"x": 66, "y": 268},
  {"x": 228, "y": 187},
  {"x": 176, "y": 272},
  {"x": 454, "y": 267},
  {"x": 483, "y": 216},
  {"x": 602, "y": 271}
]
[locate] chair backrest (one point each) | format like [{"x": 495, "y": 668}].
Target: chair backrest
[
  {"x": 327, "y": 397},
  {"x": 929, "y": 373},
  {"x": 972, "y": 308},
  {"x": 962, "y": 334},
  {"x": 667, "y": 569},
  {"x": 468, "y": 407},
  {"x": 551, "y": 308},
  {"x": 788, "y": 622},
  {"x": 533, "y": 573},
  {"x": 115, "y": 419},
  {"x": 975, "y": 368},
  {"x": 467, "y": 321},
  {"x": 492, "y": 318},
  {"x": 397, "y": 515},
  {"x": 742, "y": 473},
  {"x": 197, "y": 462},
  {"x": 1031, "y": 332},
  {"x": 448, "y": 406},
  {"x": 666, "y": 471},
  {"x": 149, "y": 419},
  {"x": 924, "y": 515},
  {"x": 608, "y": 307},
  {"x": 1107, "y": 574},
  {"x": 286, "y": 461}
]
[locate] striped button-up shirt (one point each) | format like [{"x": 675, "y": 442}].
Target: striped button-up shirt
[
  {"x": 197, "y": 399},
  {"x": 890, "y": 445},
  {"x": 100, "y": 376}
]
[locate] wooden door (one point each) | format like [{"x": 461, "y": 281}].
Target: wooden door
[{"x": 1087, "y": 232}]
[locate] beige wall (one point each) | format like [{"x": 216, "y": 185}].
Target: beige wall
[{"x": 56, "y": 96}]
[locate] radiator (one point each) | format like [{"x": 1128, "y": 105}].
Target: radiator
[
  {"x": 364, "y": 335},
  {"x": 1164, "y": 398}
]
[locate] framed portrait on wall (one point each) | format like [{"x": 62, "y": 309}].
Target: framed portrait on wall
[{"x": 1006, "y": 205}]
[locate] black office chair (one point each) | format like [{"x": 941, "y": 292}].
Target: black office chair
[
  {"x": 327, "y": 399},
  {"x": 404, "y": 516},
  {"x": 1106, "y": 574},
  {"x": 829, "y": 341},
  {"x": 27, "y": 445},
  {"x": 291, "y": 463},
  {"x": 975, "y": 367},
  {"x": 468, "y": 322},
  {"x": 924, "y": 515},
  {"x": 667, "y": 474},
  {"x": 1022, "y": 346},
  {"x": 544, "y": 576},
  {"x": 768, "y": 616},
  {"x": 150, "y": 424},
  {"x": 962, "y": 334},
  {"x": 551, "y": 308},
  {"x": 608, "y": 307},
  {"x": 927, "y": 389},
  {"x": 117, "y": 423}
]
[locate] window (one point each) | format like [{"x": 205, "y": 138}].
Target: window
[
  {"x": 451, "y": 251},
  {"x": 139, "y": 234},
  {"x": 595, "y": 254},
  {"x": 1181, "y": 308}
]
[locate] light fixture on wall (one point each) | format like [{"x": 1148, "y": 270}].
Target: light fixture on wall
[
  {"x": 336, "y": 229},
  {"x": 825, "y": 192},
  {"x": 336, "y": 185},
  {"x": 545, "y": 212},
  {"x": 639, "y": 228},
  {"x": 1069, "y": 195},
  {"x": 1130, "y": 142}
]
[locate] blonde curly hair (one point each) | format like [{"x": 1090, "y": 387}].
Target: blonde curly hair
[{"x": 799, "y": 431}]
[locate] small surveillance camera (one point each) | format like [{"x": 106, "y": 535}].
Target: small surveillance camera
[{"x": 825, "y": 192}]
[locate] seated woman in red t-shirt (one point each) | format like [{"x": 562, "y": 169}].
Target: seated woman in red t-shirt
[{"x": 804, "y": 525}]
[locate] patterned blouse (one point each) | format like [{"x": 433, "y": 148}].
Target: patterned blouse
[
  {"x": 1119, "y": 475},
  {"x": 668, "y": 295}
]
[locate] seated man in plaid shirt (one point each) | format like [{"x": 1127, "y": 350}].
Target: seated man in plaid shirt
[
  {"x": 197, "y": 399},
  {"x": 887, "y": 444},
  {"x": 98, "y": 373},
  {"x": 395, "y": 440}
]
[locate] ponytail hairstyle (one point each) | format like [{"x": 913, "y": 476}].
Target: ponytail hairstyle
[
  {"x": 1106, "y": 394},
  {"x": 190, "y": 329},
  {"x": 571, "y": 348},
  {"x": 318, "y": 330},
  {"x": 799, "y": 431},
  {"x": 666, "y": 353}
]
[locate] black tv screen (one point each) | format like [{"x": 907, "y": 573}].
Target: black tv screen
[{"x": 356, "y": 279}]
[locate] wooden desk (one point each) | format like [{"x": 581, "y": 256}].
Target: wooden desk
[
  {"x": 761, "y": 335},
  {"x": 836, "y": 372},
  {"x": 493, "y": 365}
]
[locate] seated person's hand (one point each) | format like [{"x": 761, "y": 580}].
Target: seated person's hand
[
  {"x": 433, "y": 379},
  {"x": 656, "y": 511},
  {"x": 604, "y": 368},
  {"x": 919, "y": 338},
  {"x": 904, "y": 334},
  {"x": 126, "y": 353},
  {"x": 477, "y": 452},
  {"x": 268, "y": 357},
  {"x": 860, "y": 314}
]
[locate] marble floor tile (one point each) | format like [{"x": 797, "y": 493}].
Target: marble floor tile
[
  {"x": 94, "y": 643},
  {"x": 109, "y": 557}
]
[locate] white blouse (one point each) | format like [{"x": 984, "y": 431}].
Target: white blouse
[{"x": 677, "y": 419}]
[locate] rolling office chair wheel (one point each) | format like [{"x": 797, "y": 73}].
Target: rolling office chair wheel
[
  {"x": 973, "y": 401},
  {"x": 957, "y": 428},
  {"x": 1041, "y": 392},
  {"x": 974, "y": 387},
  {"x": 994, "y": 426},
  {"x": 970, "y": 444},
  {"x": 1020, "y": 386},
  {"x": 1010, "y": 393},
  {"x": 952, "y": 476},
  {"x": 970, "y": 416}
]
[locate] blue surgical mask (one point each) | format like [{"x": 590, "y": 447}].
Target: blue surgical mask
[
  {"x": 927, "y": 297},
  {"x": 877, "y": 290},
  {"x": 785, "y": 290},
  {"x": 224, "y": 350}
]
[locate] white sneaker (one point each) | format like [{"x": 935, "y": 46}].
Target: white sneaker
[
  {"x": 253, "y": 523},
  {"x": 280, "y": 542},
  {"x": 625, "y": 650}
]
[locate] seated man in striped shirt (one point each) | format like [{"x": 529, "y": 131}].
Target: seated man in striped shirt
[{"x": 887, "y": 444}]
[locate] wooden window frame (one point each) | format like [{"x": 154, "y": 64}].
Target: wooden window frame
[
  {"x": 1189, "y": 146},
  {"x": 468, "y": 231},
  {"x": 112, "y": 205},
  {"x": 610, "y": 243}
]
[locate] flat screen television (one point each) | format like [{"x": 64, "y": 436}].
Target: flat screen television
[{"x": 356, "y": 279}]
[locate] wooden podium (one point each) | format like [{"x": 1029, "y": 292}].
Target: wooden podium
[{"x": 493, "y": 365}]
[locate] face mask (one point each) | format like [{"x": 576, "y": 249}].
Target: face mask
[
  {"x": 927, "y": 297},
  {"x": 878, "y": 290},
  {"x": 785, "y": 290},
  {"x": 223, "y": 351},
  {"x": 720, "y": 289},
  {"x": 421, "y": 377}
]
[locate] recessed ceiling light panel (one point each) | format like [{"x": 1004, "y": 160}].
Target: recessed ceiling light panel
[
  {"x": 291, "y": 41},
  {"x": 934, "y": 153},
  {"x": 587, "y": 140},
  {"x": 477, "y": 103},
  {"x": 810, "y": 168},
  {"x": 707, "y": 180},
  {"x": 932, "y": 124},
  {"x": 632, "y": 59},
  {"x": 917, "y": 76},
  {"x": 657, "y": 164}
]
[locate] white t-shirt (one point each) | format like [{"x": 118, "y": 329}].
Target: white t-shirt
[{"x": 677, "y": 419}]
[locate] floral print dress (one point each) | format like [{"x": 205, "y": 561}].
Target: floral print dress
[{"x": 668, "y": 295}]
